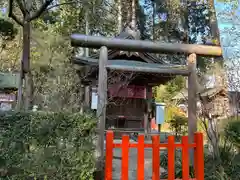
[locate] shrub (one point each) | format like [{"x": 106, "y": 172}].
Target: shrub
[
  {"x": 227, "y": 169},
  {"x": 232, "y": 131},
  {"x": 54, "y": 146},
  {"x": 179, "y": 125},
  {"x": 178, "y": 165}
]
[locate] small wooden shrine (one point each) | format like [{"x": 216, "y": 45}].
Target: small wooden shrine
[
  {"x": 148, "y": 71},
  {"x": 130, "y": 100},
  {"x": 214, "y": 101}
]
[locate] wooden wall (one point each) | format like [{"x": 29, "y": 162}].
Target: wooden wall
[{"x": 127, "y": 108}]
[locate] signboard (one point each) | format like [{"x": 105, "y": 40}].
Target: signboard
[
  {"x": 160, "y": 113},
  {"x": 7, "y": 97},
  {"x": 130, "y": 91},
  {"x": 94, "y": 100}
]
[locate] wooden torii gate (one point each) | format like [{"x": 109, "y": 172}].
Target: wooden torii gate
[{"x": 79, "y": 40}]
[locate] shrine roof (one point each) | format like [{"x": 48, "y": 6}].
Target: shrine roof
[
  {"x": 141, "y": 77},
  {"x": 129, "y": 63},
  {"x": 209, "y": 92}
]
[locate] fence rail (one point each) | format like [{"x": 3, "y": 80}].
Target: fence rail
[{"x": 171, "y": 146}]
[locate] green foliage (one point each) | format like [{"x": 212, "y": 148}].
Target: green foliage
[
  {"x": 225, "y": 167},
  {"x": 164, "y": 93},
  {"x": 7, "y": 29},
  {"x": 228, "y": 169},
  {"x": 176, "y": 119},
  {"x": 232, "y": 131},
  {"x": 170, "y": 112},
  {"x": 46, "y": 145},
  {"x": 179, "y": 125},
  {"x": 175, "y": 85},
  {"x": 178, "y": 165}
]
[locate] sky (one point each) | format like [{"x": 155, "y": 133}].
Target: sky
[{"x": 228, "y": 18}]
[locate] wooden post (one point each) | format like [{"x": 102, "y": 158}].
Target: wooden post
[
  {"x": 146, "y": 121},
  {"x": 101, "y": 107},
  {"x": 87, "y": 92},
  {"x": 192, "y": 101},
  {"x": 147, "y": 126},
  {"x": 87, "y": 97},
  {"x": 159, "y": 128}
]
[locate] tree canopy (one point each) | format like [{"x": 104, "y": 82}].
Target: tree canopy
[{"x": 53, "y": 21}]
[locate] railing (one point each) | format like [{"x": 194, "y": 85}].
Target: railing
[{"x": 156, "y": 145}]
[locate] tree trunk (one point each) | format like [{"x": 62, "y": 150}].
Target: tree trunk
[
  {"x": 119, "y": 5},
  {"x": 213, "y": 139},
  {"x": 86, "y": 31},
  {"x": 26, "y": 65},
  {"x": 20, "y": 89},
  {"x": 134, "y": 22},
  {"x": 86, "y": 88},
  {"x": 213, "y": 23},
  {"x": 29, "y": 91},
  {"x": 128, "y": 5},
  {"x": 153, "y": 20}
]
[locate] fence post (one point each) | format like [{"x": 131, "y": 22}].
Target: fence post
[
  {"x": 109, "y": 155},
  {"x": 199, "y": 156},
  {"x": 185, "y": 158},
  {"x": 125, "y": 150},
  {"x": 101, "y": 107},
  {"x": 155, "y": 157},
  {"x": 140, "y": 160},
  {"x": 171, "y": 158}
]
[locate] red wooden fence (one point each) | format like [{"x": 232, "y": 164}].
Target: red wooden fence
[{"x": 170, "y": 145}]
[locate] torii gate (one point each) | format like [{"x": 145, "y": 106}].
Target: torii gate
[{"x": 79, "y": 40}]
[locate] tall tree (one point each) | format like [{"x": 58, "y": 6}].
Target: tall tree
[
  {"x": 29, "y": 11},
  {"x": 119, "y": 5}
]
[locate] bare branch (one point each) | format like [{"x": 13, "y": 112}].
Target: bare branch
[
  {"x": 61, "y": 4},
  {"x": 41, "y": 10},
  {"x": 22, "y": 8},
  {"x": 13, "y": 16}
]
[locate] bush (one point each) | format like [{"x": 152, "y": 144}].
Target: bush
[
  {"x": 178, "y": 124},
  {"x": 54, "y": 146},
  {"x": 227, "y": 169},
  {"x": 232, "y": 131},
  {"x": 178, "y": 165}
]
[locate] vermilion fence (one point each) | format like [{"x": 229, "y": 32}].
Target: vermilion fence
[{"x": 156, "y": 145}]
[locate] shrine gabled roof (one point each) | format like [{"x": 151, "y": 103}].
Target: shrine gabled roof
[
  {"x": 209, "y": 92},
  {"x": 122, "y": 62},
  {"x": 141, "y": 77},
  {"x": 128, "y": 33}
]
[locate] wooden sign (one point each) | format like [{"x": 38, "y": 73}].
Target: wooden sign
[
  {"x": 4, "y": 97},
  {"x": 130, "y": 91}
]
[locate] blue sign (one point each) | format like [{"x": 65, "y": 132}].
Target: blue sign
[{"x": 160, "y": 113}]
